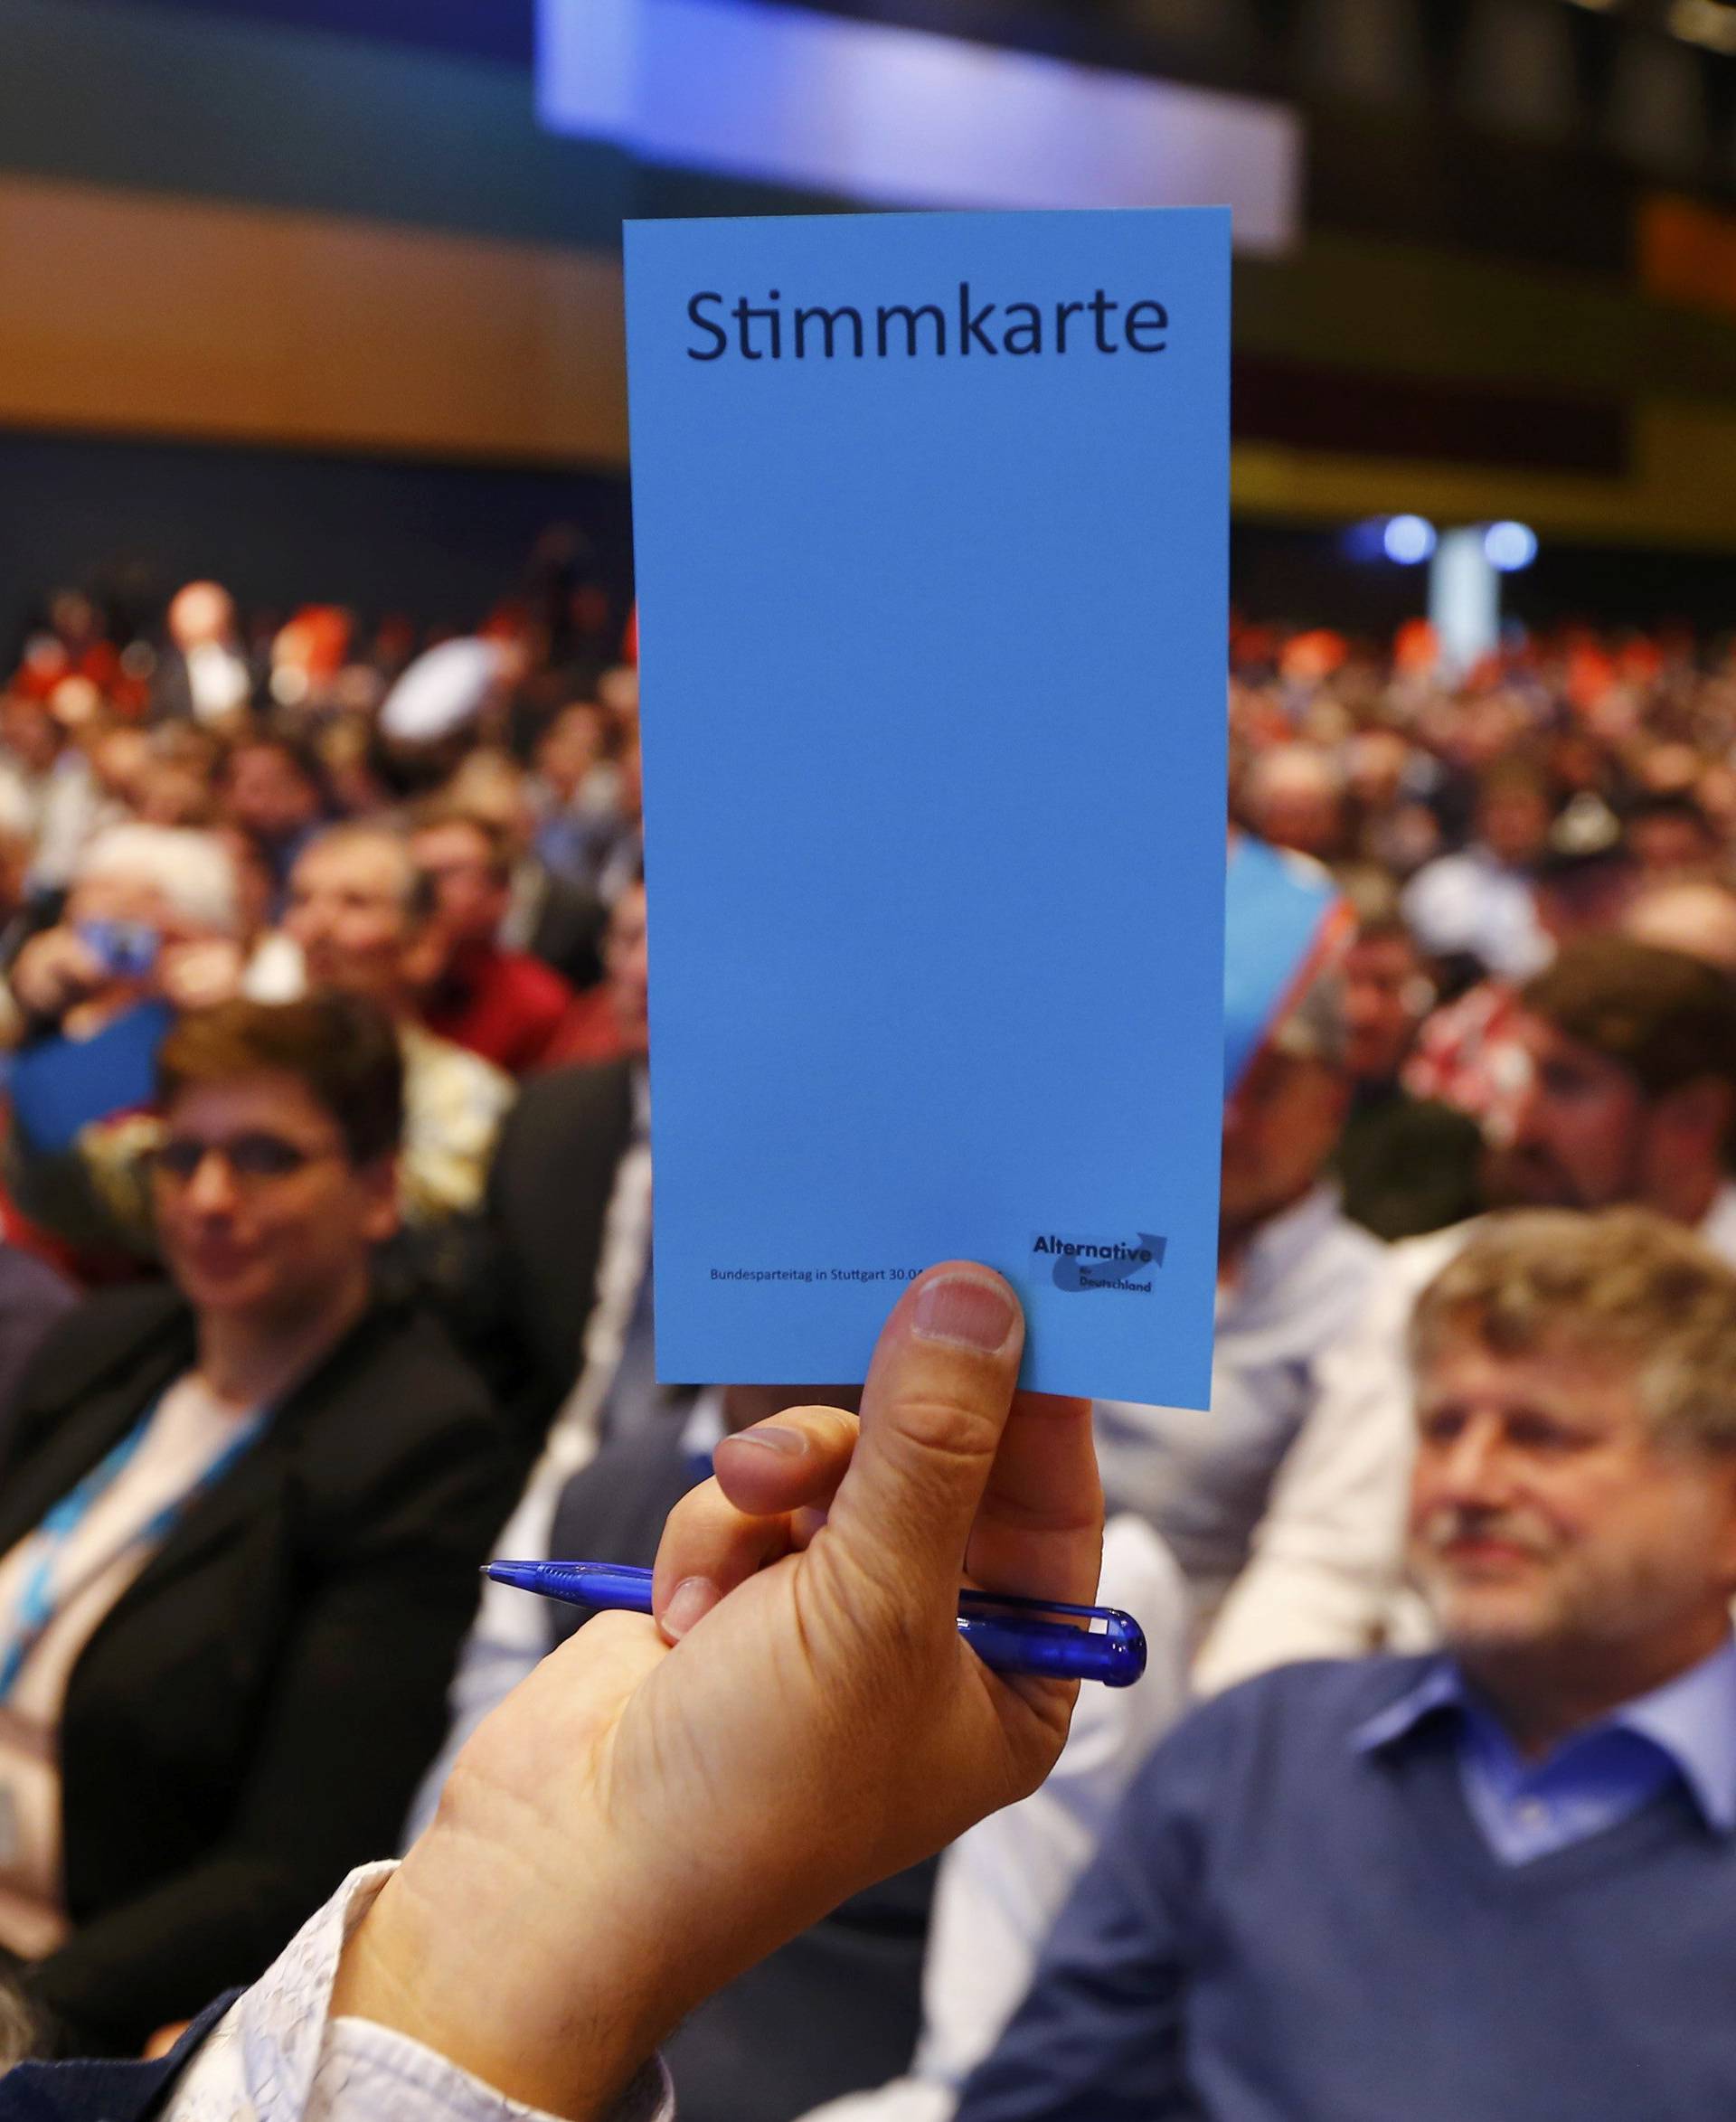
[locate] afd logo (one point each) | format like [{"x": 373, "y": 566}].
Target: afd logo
[{"x": 1102, "y": 1264}]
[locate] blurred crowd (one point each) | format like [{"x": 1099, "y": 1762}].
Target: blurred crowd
[{"x": 325, "y": 1196}]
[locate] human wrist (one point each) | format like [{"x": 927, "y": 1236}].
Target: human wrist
[{"x": 530, "y": 1996}]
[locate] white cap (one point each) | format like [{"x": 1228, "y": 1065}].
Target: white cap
[{"x": 441, "y": 691}]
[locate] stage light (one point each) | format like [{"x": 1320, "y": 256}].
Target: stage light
[
  {"x": 1408, "y": 539},
  {"x": 874, "y": 111},
  {"x": 1510, "y": 546}
]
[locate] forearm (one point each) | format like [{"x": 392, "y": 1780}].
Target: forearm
[{"x": 553, "y": 2043}]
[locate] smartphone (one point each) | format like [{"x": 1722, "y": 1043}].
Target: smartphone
[{"x": 127, "y": 949}]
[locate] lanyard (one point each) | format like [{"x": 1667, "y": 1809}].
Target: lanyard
[{"x": 38, "y": 1601}]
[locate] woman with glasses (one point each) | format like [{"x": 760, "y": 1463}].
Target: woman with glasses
[{"x": 240, "y": 1519}]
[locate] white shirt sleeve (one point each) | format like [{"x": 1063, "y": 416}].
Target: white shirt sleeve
[
  {"x": 278, "y": 2056},
  {"x": 1327, "y": 1572},
  {"x": 1002, "y": 1884}
]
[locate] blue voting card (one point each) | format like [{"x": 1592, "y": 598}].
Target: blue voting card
[{"x": 931, "y": 518}]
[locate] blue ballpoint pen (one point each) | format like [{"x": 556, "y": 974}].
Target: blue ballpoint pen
[{"x": 1007, "y": 1632}]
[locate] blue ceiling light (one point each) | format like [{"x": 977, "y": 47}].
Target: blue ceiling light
[
  {"x": 1510, "y": 546},
  {"x": 1408, "y": 540}
]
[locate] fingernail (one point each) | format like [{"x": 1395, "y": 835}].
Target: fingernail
[
  {"x": 692, "y": 1600},
  {"x": 960, "y": 1309},
  {"x": 769, "y": 1436}
]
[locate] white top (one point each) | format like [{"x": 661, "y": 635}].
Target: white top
[
  {"x": 60, "y": 810},
  {"x": 1326, "y": 1578},
  {"x": 189, "y": 1432},
  {"x": 1203, "y": 1479},
  {"x": 445, "y": 687},
  {"x": 217, "y": 682},
  {"x": 276, "y": 971},
  {"x": 278, "y": 2055}
]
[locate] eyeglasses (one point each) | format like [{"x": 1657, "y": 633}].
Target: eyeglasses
[{"x": 255, "y": 1159}]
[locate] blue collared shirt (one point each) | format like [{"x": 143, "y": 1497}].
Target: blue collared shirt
[{"x": 1685, "y": 1731}]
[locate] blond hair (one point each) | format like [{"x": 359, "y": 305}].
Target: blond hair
[{"x": 1622, "y": 1283}]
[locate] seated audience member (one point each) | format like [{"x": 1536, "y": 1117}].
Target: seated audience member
[
  {"x": 1480, "y": 902},
  {"x": 609, "y": 1024},
  {"x": 1406, "y": 1164},
  {"x": 362, "y": 916},
  {"x": 170, "y": 792},
  {"x": 1467, "y": 1053},
  {"x": 557, "y": 1293},
  {"x": 456, "y": 694},
  {"x": 1496, "y": 1884},
  {"x": 347, "y": 771},
  {"x": 1293, "y": 1273},
  {"x": 1696, "y": 918},
  {"x": 1671, "y": 836},
  {"x": 99, "y": 991},
  {"x": 1387, "y": 784},
  {"x": 240, "y": 1521},
  {"x": 554, "y": 1304},
  {"x": 271, "y": 790},
  {"x": 202, "y": 673},
  {"x": 577, "y": 792},
  {"x": 639, "y": 1823},
  {"x": 47, "y": 786},
  {"x": 119, "y": 754},
  {"x": 623, "y": 863},
  {"x": 504, "y": 1005},
  {"x": 103, "y": 980},
  {"x": 1630, "y": 1095},
  {"x": 1294, "y": 797},
  {"x": 268, "y": 965},
  {"x": 553, "y": 916},
  {"x": 358, "y": 915}
]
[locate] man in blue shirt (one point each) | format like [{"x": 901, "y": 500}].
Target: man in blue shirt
[{"x": 1497, "y": 1885}]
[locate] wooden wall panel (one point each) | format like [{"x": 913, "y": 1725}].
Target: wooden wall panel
[
  {"x": 154, "y": 314},
  {"x": 130, "y": 313}
]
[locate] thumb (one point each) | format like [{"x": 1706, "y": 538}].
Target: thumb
[{"x": 932, "y": 1414}]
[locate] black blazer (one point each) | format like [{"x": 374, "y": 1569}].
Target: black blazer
[
  {"x": 568, "y": 930},
  {"x": 530, "y": 1271},
  {"x": 250, "y": 1719}
]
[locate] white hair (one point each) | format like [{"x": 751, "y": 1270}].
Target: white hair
[{"x": 193, "y": 870}]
